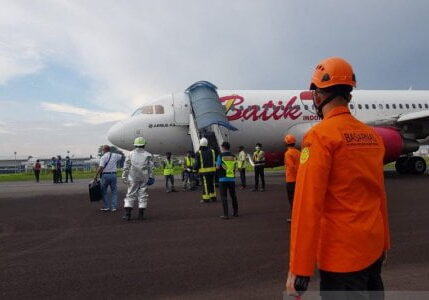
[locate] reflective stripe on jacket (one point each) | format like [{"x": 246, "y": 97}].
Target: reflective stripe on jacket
[
  {"x": 227, "y": 164},
  {"x": 168, "y": 167},
  {"x": 259, "y": 158},
  {"x": 206, "y": 161}
]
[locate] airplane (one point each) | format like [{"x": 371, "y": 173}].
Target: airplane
[{"x": 175, "y": 122}]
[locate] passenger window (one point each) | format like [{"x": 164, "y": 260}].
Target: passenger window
[
  {"x": 380, "y": 106},
  {"x": 420, "y": 105},
  {"x": 159, "y": 109},
  {"x": 360, "y": 106},
  {"x": 373, "y": 106},
  {"x": 387, "y": 106},
  {"x": 407, "y": 106},
  {"x": 394, "y": 106},
  {"x": 305, "y": 106},
  {"x": 413, "y": 105},
  {"x": 352, "y": 106},
  {"x": 426, "y": 106},
  {"x": 366, "y": 106},
  {"x": 400, "y": 106}
]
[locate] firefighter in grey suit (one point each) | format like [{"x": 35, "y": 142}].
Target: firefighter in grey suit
[{"x": 138, "y": 175}]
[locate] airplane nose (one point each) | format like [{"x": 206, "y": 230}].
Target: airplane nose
[{"x": 115, "y": 134}]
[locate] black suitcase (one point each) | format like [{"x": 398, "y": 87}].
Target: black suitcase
[{"x": 95, "y": 191}]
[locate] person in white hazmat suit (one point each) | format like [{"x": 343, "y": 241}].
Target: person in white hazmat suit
[{"x": 138, "y": 175}]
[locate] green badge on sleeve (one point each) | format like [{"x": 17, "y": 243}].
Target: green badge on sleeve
[{"x": 305, "y": 155}]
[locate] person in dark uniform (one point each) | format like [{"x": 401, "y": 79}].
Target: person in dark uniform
[
  {"x": 205, "y": 164},
  {"x": 226, "y": 164},
  {"x": 69, "y": 168},
  {"x": 37, "y": 167},
  {"x": 59, "y": 172},
  {"x": 53, "y": 166}
]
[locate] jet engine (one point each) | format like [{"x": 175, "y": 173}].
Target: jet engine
[
  {"x": 395, "y": 144},
  {"x": 397, "y": 149}
]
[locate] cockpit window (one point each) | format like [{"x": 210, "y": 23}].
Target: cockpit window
[
  {"x": 146, "y": 110},
  {"x": 159, "y": 109}
]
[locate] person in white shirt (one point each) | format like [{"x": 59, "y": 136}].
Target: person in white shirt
[
  {"x": 241, "y": 166},
  {"x": 138, "y": 175},
  {"x": 107, "y": 172}
]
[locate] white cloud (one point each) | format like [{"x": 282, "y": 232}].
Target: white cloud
[
  {"x": 4, "y": 129},
  {"x": 20, "y": 58},
  {"x": 134, "y": 51},
  {"x": 89, "y": 116},
  {"x": 47, "y": 133}
]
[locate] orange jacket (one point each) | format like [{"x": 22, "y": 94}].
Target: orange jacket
[
  {"x": 339, "y": 218},
  {"x": 291, "y": 160}
]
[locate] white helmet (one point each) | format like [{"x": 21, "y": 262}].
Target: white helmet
[{"x": 204, "y": 142}]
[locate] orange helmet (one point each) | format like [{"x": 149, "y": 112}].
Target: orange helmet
[
  {"x": 289, "y": 139},
  {"x": 332, "y": 71}
]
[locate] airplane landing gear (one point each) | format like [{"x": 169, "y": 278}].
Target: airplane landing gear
[{"x": 410, "y": 165}]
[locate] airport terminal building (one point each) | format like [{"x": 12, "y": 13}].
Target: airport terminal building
[{"x": 20, "y": 165}]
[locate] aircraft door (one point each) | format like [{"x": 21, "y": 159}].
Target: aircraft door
[{"x": 182, "y": 109}]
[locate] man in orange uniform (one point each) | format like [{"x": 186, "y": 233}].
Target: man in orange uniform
[
  {"x": 339, "y": 218},
  {"x": 291, "y": 161}
]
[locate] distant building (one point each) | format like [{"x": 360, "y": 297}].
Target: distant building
[{"x": 8, "y": 166}]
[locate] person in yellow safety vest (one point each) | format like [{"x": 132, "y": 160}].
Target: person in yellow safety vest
[
  {"x": 188, "y": 172},
  {"x": 291, "y": 161},
  {"x": 168, "y": 167},
  {"x": 259, "y": 160},
  {"x": 226, "y": 165},
  {"x": 205, "y": 164},
  {"x": 196, "y": 176},
  {"x": 241, "y": 166}
]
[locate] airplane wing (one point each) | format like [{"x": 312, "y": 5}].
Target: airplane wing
[
  {"x": 413, "y": 125},
  {"x": 420, "y": 116}
]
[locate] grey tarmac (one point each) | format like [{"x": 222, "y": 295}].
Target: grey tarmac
[{"x": 54, "y": 243}]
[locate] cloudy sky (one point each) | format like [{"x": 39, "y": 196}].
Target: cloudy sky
[{"x": 70, "y": 69}]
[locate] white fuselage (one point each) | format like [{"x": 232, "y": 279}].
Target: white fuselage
[{"x": 263, "y": 116}]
